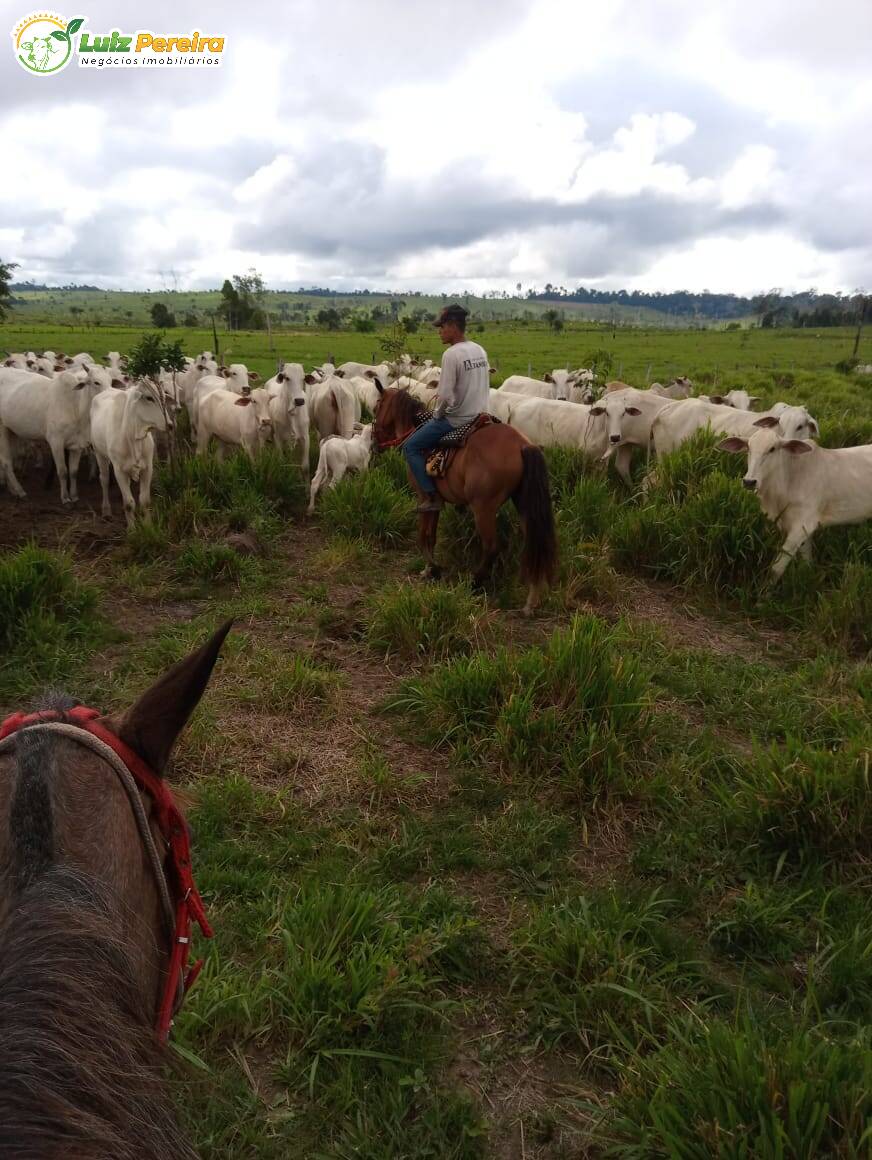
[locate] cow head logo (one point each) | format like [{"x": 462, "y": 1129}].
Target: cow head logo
[{"x": 43, "y": 42}]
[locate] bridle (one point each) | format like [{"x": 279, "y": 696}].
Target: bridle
[
  {"x": 381, "y": 444},
  {"x": 180, "y": 900}
]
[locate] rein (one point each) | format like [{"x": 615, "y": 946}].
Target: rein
[
  {"x": 180, "y": 900},
  {"x": 385, "y": 444}
]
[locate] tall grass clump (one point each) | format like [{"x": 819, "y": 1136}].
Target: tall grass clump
[
  {"x": 795, "y": 806},
  {"x": 436, "y": 622},
  {"x": 571, "y": 711},
  {"x": 600, "y": 973},
  {"x": 743, "y": 1091},
  {"x": 844, "y": 613},
  {"x": 273, "y": 476},
  {"x": 717, "y": 537},
  {"x": 48, "y": 617},
  {"x": 369, "y": 507}
]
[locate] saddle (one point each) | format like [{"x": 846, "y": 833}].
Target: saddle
[{"x": 439, "y": 460}]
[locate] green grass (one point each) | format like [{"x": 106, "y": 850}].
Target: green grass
[
  {"x": 568, "y": 712},
  {"x": 433, "y": 621},
  {"x": 594, "y": 885},
  {"x": 48, "y": 619}
]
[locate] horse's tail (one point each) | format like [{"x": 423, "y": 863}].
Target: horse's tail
[{"x": 533, "y": 500}]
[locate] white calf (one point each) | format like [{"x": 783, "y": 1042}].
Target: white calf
[
  {"x": 803, "y": 487},
  {"x": 337, "y": 456},
  {"x": 122, "y": 422}
]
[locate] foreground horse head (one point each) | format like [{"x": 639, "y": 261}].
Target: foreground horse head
[
  {"x": 87, "y": 949},
  {"x": 496, "y": 464}
]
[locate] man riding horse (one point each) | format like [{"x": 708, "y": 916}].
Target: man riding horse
[
  {"x": 462, "y": 395},
  {"x": 490, "y": 462}
]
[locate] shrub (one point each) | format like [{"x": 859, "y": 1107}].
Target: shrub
[
  {"x": 435, "y": 622},
  {"x": 201, "y": 561},
  {"x": 570, "y": 711}
]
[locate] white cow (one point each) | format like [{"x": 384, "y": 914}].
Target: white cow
[
  {"x": 54, "y": 411},
  {"x": 288, "y": 409},
  {"x": 348, "y": 370},
  {"x": 333, "y": 406},
  {"x": 679, "y": 421},
  {"x": 555, "y": 385},
  {"x": 550, "y": 423},
  {"x": 122, "y": 422},
  {"x": 629, "y": 416},
  {"x": 236, "y": 378},
  {"x": 116, "y": 361},
  {"x": 741, "y": 400},
  {"x": 338, "y": 456},
  {"x": 803, "y": 487},
  {"x": 234, "y": 420},
  {"x": 679, "y": 388}
]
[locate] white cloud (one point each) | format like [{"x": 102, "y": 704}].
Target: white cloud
[{"x": 389, "y": 144}]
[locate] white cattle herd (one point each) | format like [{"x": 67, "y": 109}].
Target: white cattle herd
[{"x": 75, "y": 405}]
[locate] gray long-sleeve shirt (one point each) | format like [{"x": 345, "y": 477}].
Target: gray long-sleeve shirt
[{"x": 464, "y": 386}]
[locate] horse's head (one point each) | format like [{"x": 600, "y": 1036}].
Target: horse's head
[
  {"x": 66, "y": 806},
  {"x": 395, "y": 416}
]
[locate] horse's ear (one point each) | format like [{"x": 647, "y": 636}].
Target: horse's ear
[{"x": 150, "y": 727}]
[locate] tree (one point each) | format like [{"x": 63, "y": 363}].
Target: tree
[
  {"x": 161, "y": 317},
  {"x": 552, "y": 317},
  {"x": 363, "y": 324},
  {"x": 242, "y": 301},
  {"x": 191, "y": 319},
  {"x": 146, "y": 360},
  {"x": 6, "y": 269},
  {"x": 330, "y": 318}
]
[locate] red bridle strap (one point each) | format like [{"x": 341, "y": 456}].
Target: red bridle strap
[{"x": 189, "y": 904}]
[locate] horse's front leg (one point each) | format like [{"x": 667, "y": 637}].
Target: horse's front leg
[{"x": 428, "y": 525}]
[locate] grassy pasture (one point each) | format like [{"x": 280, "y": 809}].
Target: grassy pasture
[{"x": 591, "y": 885}]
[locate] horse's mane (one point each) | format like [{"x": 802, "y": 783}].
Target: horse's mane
[
  {"x": 80, "y": 1067},
  {"x": 406, "y": 407}
]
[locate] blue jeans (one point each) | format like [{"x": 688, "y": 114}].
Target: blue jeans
[{"x": 416, "y": 447}]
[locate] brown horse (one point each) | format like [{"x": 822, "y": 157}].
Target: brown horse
[
  {"x": 84, "y": 951},
  {"x": 497, "y": 463}
]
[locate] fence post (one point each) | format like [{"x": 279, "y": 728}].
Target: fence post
[
  {"x": 529, "y": 370},
  {"x": 648, "y": 373},
  {"x": 620, "y": 371}
]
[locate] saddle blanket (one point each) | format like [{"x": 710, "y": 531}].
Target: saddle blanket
[{"x": 439, "y": 460}]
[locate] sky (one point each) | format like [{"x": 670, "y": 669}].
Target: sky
[{"x": 464, "y": 145}]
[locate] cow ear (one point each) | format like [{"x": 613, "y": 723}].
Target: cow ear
[
  {"x": 547, "y": 378},
  {"x": 719, "y": 399},
  {"x": 766, "y": 421},
  {"x": 797, "y": 446},
  {"x": 597, "y": 410},
  {"x": 753, "y": 400},
  {"x": 242, "y": 401},
  {"x": 280, "y": 378},
  {"x": 633, "y": 411},
  {"x": 253, "y": 377},
  {"x": 491, "y": 370},
  {"x": 119, "y": 383},
  {"x": 734, "y": 444},
  {"x": 339, "y": 374},
  {"x": 310, "y": 379}
]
